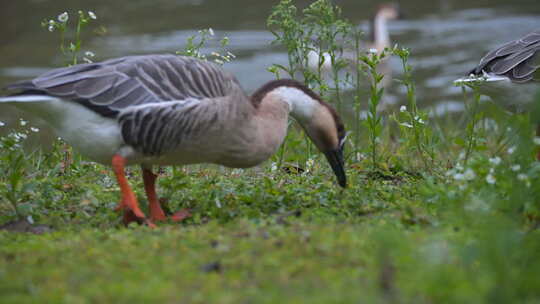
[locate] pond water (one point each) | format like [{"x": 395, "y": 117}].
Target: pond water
[{"x": 447, "y": 37}]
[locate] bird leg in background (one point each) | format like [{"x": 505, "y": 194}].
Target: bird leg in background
[
  {"x": 156, "y": 212},
  {"x": 129, "y": 201}
]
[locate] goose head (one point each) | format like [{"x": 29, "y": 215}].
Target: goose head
[
  {"x": 318, "y": 119},
  {"x": 388, "y": 11}
]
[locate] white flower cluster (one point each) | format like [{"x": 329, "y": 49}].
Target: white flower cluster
[{"x": 63, "y": 17}]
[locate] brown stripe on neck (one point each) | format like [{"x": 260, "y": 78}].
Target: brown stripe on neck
[{"x": 257, "y": 97}]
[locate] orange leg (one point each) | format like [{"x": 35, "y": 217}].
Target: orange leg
[
  {"x": 129, "y": 201},
  {"x": 156, "y": 213}
]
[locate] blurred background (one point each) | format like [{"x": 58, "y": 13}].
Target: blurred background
[{"x": 446, "y": 37}]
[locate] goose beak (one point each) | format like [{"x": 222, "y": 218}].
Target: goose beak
[{"x": 335, "y": 158}]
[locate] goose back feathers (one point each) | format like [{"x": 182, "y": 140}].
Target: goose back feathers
[{"x": 110, "y": 86}]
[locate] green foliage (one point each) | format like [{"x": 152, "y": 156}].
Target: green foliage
[
  {"x": 416, "y": 134},
  {"x": 71, "y": 48},
  {"x": 196, "y": 43}
]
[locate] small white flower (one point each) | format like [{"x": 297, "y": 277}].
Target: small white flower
[
  {"x": 87, "y": 60},
  {"x": 406, "y": 124},
  {"x": 511, "y": 150},
  {"x": 19, "y": 136},
  {"x": 419, "y": 119},
  {"x": 515, "y": 168},
  {"x": 2, "y": 123},
  {"x": 522, "y": 177},
  {"x": 231, "y": 54},
  {"x": 63, "y": 17},
  {"x": 495, "y": 161},
  {"x": 211, "y": 31},
  {"x": 469, "y": 174},
  {"x": 52, "y": 22},
  {"x": 490, "y": 179},
  {"x": 215, "y": 54},
  {"x": 51, "y": 28},
  {"x": 372, "y": 51},
  {"x": 92, "y": 15},
  {"x": 491, "y": 170},
  {"x": 536, "y": 140},
  {"x": 459, "y": 176},
  {"x": 23, "y": 122},
  {"x": 35, "y": 130},
  {"x": 273, "y": 167},
  {"x": 89, "y": 54},
  {"x": 403, "y": 108}
]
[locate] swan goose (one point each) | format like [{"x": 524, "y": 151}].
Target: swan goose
[{"x": 173, "y": 110}]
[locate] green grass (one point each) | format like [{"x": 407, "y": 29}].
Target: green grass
[
  {"x": 262, "y": 236},
  {"x": 437, "y": 210}
]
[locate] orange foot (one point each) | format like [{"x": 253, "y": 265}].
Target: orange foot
[{"x": 157, "y": 206}]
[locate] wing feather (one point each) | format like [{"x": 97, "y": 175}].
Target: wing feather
[
  {"x": 120, "y": 83},
  {"x": 517, "y": 59}
]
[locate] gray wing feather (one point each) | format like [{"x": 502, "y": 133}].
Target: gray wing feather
[
  {"x": 502, "y": 66},
  {"x": 517, "y": 60},
  {"x": 114, "y": 85},
  {"x": 154, "y": 130}
]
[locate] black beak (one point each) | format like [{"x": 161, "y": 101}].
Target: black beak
[{"x": 335, "y": 158}]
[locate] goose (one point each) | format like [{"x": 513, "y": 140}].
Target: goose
[
  {"x": 378, "y": 34},
  {"x": 159, "y": 110},
  {"x": 516, "y": 61}
]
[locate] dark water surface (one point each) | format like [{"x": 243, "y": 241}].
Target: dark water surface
[{"x": 447, "y": 37}]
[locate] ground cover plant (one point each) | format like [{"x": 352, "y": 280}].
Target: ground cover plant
[{"x": 437, "y": 210}]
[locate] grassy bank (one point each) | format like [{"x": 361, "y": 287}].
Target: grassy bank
[{"x": 438, "y": 210}]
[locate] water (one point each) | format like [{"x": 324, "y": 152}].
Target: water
[{"x": 447, "y": 38}]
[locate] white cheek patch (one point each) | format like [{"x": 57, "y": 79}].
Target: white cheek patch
[{"x": 301, "y": 105}]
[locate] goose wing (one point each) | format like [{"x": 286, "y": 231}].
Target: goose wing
[
  {"x": 518, "y": 60},
  {"x": 112, "y": 86}
]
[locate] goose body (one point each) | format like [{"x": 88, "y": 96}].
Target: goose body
[
  {"x": 173, "y": 110},
  {"x": 516, "y": 61}
]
